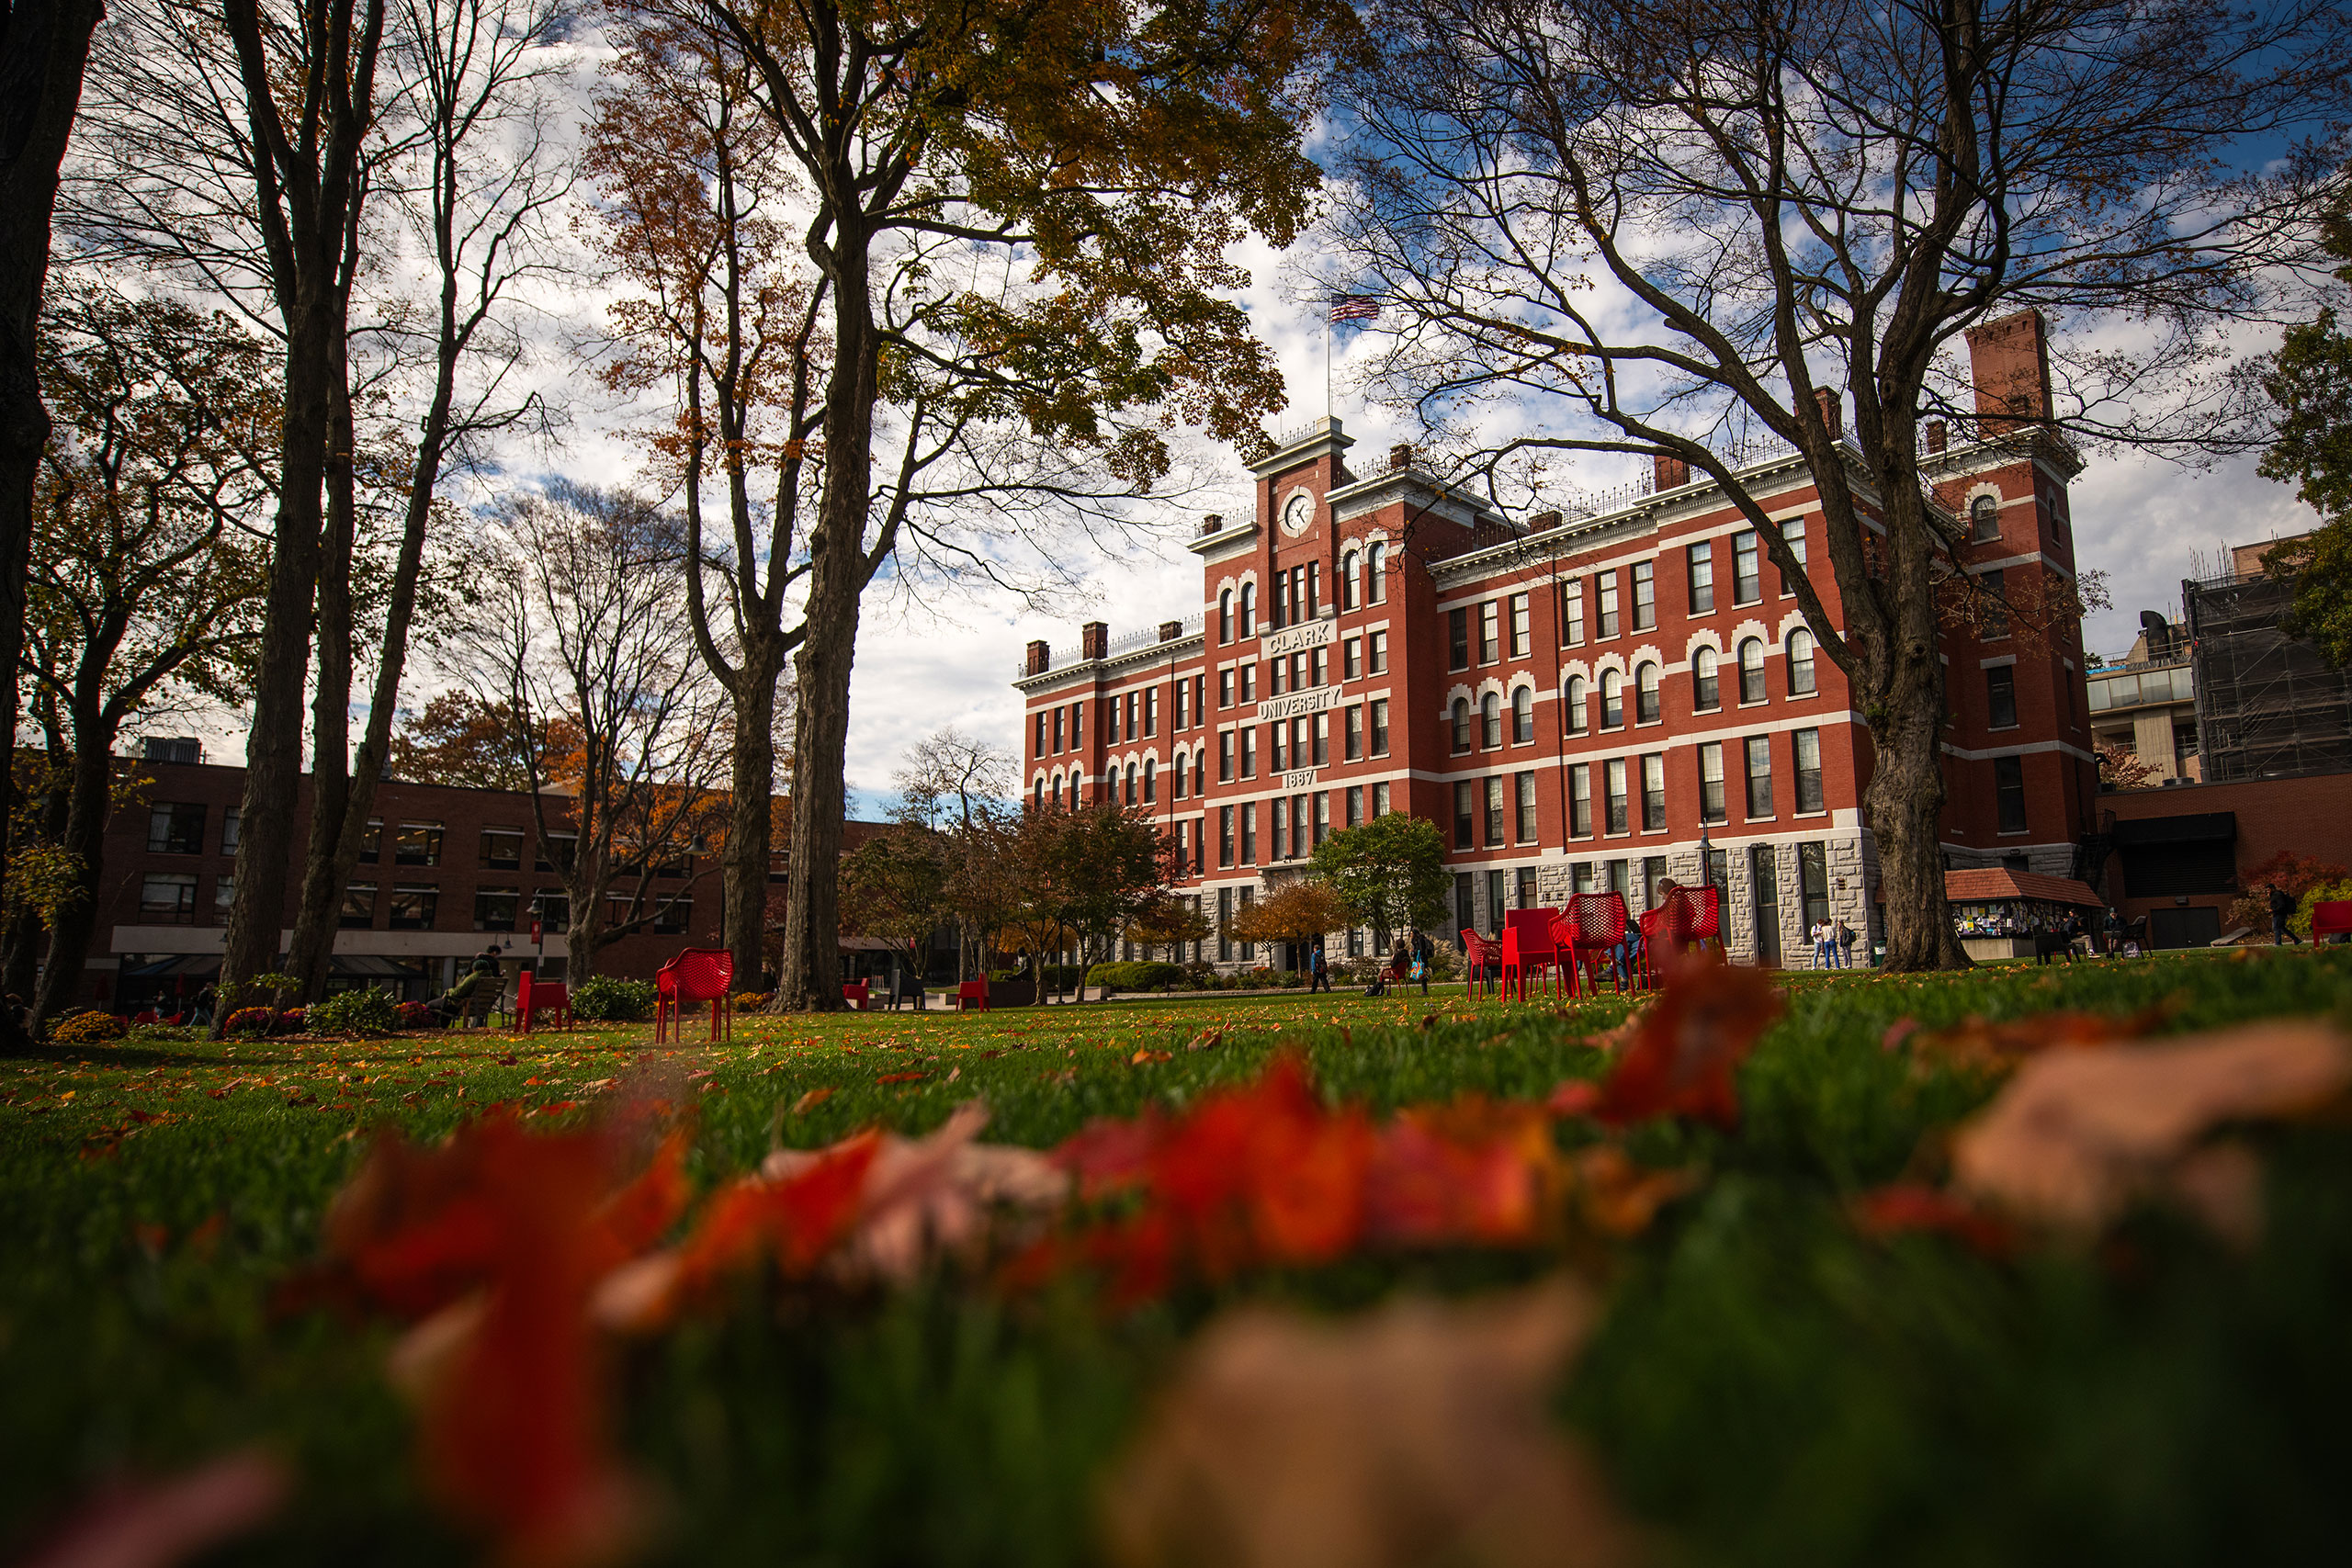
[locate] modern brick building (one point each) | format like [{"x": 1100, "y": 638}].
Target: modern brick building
[{"x": 1577, "y": 701}]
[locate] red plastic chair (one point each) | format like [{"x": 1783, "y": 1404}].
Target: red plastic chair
[
  {"x": 858, "y": 994},
  {"x": 534, "y": 996},
  {"x": 1529, "y": 950},
  {"x": 972, "y": 992},
  {"x": 2331, "y": 917},
  {"x": 1594, "y": 925},
  {"x": 1479, "y": 960},
  {"x": 696, "y": 975}
]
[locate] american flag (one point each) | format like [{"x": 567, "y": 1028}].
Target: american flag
[{"x": 1355, "y": 308}]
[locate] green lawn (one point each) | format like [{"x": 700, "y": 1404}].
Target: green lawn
[{"x": 1769, "y": 1386}]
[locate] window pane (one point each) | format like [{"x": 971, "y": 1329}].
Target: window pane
[
  {"x": 1807, "y": 745},
  {"x": 2001, "y": 697},
  {"x": 1711, "y": 781},
  {"x": 358, "y": 905},
  {"x": 413, "y": 908},
  {"x": 1654, "y": 793},
  {"x": 1644, "y": 595},
  {"x": 1800, "y": 662},
  {"x": 1580, "y": 799},
  {"x": 1706, "y": 690},
  {"x": 502, "y": 848},
  {"x": 1702, "y": 578},
  {"x": 1759, "y": 776},
  {"x": 1607, "y": 589},
  {"x": 1747, "y": 584},
  {"x": 167, "y": 898},
  {"x": 1615, "y": 777},
  {"x": 1646, "y": 693},
  {"x": 495, "y": 908},
  {"x": 1526, "y": 785}
]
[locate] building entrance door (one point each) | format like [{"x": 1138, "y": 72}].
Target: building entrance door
[{"x": 1764, "y": 877}]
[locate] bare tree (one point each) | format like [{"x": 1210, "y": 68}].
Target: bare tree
[
  {"x": 950, "y": 774},
  {"x": 580, "y": 644},
  {"x": 1657, "y": 228}
]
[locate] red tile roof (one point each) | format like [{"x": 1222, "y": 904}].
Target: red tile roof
[{"x": 1988, "y": 884}]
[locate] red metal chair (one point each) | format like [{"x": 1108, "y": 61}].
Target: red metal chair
[
  {"x": 1703, "y": 906},
  {"x": 1480, "y": 958},
  {"x": 534, "y": 996},
  {"x": 1593, "y": 925},
  {"x": 1529, "y": 949},
  {"x": 2331, "y": 917},
  {"x": 1665, "y": 931},
  {"x": 696, "y": 975}
]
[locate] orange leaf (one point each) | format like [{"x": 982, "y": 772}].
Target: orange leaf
[
  {"x": 810, "y": 1100},
  {"x": 1684, "y": 1048}
]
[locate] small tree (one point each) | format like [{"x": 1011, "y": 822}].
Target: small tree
[
  {"x": 2120, "y": 769},
  {"x": 1300, "y": 912},
  {"x": 1387, "y": 873},
  {"x": 1086, "y": 874},
  {"x": 894, "y": 889},
  {"x": 1169, "y": 921},
  {"x": 2293, "y": 870}
]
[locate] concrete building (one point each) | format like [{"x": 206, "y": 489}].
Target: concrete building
[
  {"x": 1577, "y": 701},
  {"x": 2146, "y": 703}
]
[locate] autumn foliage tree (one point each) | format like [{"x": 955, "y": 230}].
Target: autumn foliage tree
[
  {"x": 1297, "y": 912},
  {"x": 1671, "y": 231},
  {"x": 1019, "y": 221},
  {"x": 894, "y": 889}
]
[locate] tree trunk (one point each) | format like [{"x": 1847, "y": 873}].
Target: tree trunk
[
  {"x": 42, "y": 50},
  {"x": 88, "y": 795},
  {"x": 743, "y": 867},
  {"x": 1906, "y": 800},
  {"x": 312, "y": 945}
]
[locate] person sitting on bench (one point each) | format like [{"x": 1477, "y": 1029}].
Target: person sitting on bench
[{"x": 455, "y": 1002}]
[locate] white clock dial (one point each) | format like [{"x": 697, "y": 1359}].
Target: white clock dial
[{"x": 1298, "y": 514}]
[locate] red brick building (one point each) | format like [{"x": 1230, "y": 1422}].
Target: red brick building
[{"x": 1578, "y": 702}]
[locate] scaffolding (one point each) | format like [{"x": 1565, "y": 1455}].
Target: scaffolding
[{"x": 2267, "y": 705}]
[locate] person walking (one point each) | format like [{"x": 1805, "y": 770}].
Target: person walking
[
  {"x": 1318, "y": 972},
  {"x": 1423, "y": 960},
  {"x": 2281, "y": 906}
]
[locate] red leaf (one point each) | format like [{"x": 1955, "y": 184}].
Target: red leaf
[
  {"x": 1680, "y": 1060},
  {"x": 1907, "y": 1207},
  {"x": 901, "y": 1077}
]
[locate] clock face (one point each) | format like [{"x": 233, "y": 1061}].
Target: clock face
[{"x": 1298, "y": 514}]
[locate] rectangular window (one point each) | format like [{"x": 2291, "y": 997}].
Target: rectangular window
[
  {"x": 1580, "y": 800},
  {"x": 167, "y": 897},
  {"x": 1276, "y": 672},
  {"x": 1250, "y": 753},
  {"x": 419, "y": 843},
  {"x": 494, "y": 908},
  {"x": 374, "y": 847},
  {"x": 1585, "y": 879},
  {"x": 1380, "y": 798},
  {"x": 1280, "y": 815},
  {"x": 1571, "y": 610},
  {"x": 1654, "y": 793},
  {"x": 1465, "y": 815},
  {"x": 1249, "y": 683},
  {"x": 1379, "y": 653},
  {"x": 1176, "y": 719},
  {"x": 673, "y": 915},
  {"x": 1644, "y": 595},
  {"x": 1225, "y": 688},
  {"x": 1225, "y": 916},
  {"x": 1380, "y": 727},
  {"x": 2001, "y": 697},
  {"x": 1746, "y": 583},
  {"x": 1702, "y": 578},
  {"x": 1523, "y": 626},
  {"x": 176, "y": 830},
  {"x": 1759, "y": 777},
  {"x": 1490, "y": 641},
  {"x": 1323, "y": 739},
  {"x": 1225, "y": 758},
  {"x": 1526, "y": 790},
  {"x": 1807, "y": 746},
  {"x": 1249, "y": 833},
  {"x": 1353, "y": 738},
  {"x": 1792, "y": 533},
  {"x": 502, "y": 849},
  {"x": 2008, "y": 791},
  {"x": 412, "y": 907},
  {"x": 1813, "y": 882},
  {"x": 1653, "y": 881},
  {"x": 1524, "y": 896},
  {"x": 1618, "y": 882},
  {"x": 1151, "y": 713},
  {"x": 1617, "y": 821},
  {"x": 551, "y": 909},
  {"x": 1077, "y": 726},
  {"x": 1352, "y": 658},
  {"x": 1059, "y": 745},
  {"x": 1465, "y": 901},
  {"x": 1996, "y": 603},
  {"x": 1277, "y": 747},
  {"x": 359, "y": 906},
  {"x": 1605, "y": 591},
  {"x": 1497, "y": 892},
  {"x": 557, "y": 852},
  {"x": 1111, "y": 722},
  {"x": 1039, "y": 717},
  {"x": 1322, "y": 817},
  {"x": 225, "y": 894},
  {"x": 1457, "y": 639},
  {"x": 1200, "y": 699},
  {"x": 1711, "y": 782},
  {"x": 1224, "y": 837},
  {"x": 233, "y": 819},
  {"x": 1319, "y": 667},
  {"x": 1494, "y": 792},
  {"x": 1355, "y": 805}
]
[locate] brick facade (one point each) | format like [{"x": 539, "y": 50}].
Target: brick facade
[
  {"x": 1553, "y": 675},
  {"x": 2251, "y": 819}
]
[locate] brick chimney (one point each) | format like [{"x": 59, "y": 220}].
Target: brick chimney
[
  {"x": 1671, "y": 473},
  {"x": 1541, "y": 521},
  {"x": 1211, "y": 521},
  {"x": 2010, "y": 361},
  {"x": 1041, "y": 659},
  {"x": 1832, "y": 417},
  {"x": 1094, "y": 640},
  {"x": 1170, "y": 630},
  {"x": 1400, "y": 456},
  {"x": 1939, "y": 435}
]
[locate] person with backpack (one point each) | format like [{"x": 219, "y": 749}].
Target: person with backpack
[
  {"x": 1422, "y": 961},
  {"x": 1845, "y": 945},
  {"x": 2114, "y": 932},
  {"x": 2282, "y": 905},
  {"x": 1318, "y": 970}
]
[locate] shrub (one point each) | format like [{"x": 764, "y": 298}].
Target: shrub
[
  {"x": 89, "y": 1029},
  {"x": 2300, "y": 923},
  {"x": 608, "y": 998},
  {"x": 250, "y": 1020},
  {"x": 750, "y": 1002},
  {"x": 293, "y": 1020},
  {"x": 419, "y": 1015},
  {"x": 1133, "y": 976},
  {"x": 356, "y": 1013}
]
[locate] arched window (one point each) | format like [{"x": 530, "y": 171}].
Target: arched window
[
  {"x": 1151, "y": 780},
  {"x": 1646, "y": 705},
  {"x": 1039, "y": 795},
  {"x": 1522, "y": 716},
  {"x": 1490, "y": 720},
  {"x": 1800, "y": 662},
  {"x": 1201, "y": 772},
  {"x": 1376, "y": 573},
  {"x": 1225, "y": 616},
  {"x": 1055, "y": 794},
  {"x": 1706, "y": 686},
  {"x": 1348, "y": 580},
  {"x": 1613, "y": 699},
  {"x": 1984, "y": 518},
  {"x": 1573, "y": 702},
  {"x": 1751, "y": 671},
  {"x": 1461, "y": 724},
  {"x": 1131, "y": 784},
  {"x": 1249, "y": 609}
]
